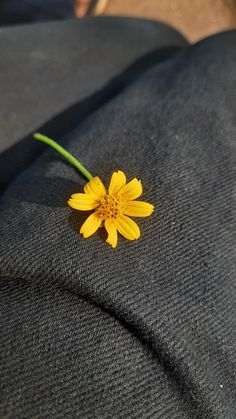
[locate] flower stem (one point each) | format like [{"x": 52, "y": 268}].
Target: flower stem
[{"x": 64, "y": 153}]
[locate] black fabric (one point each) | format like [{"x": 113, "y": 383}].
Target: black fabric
[
  {"x": 23, "y": 11},
  {"x": 148, "y": 329},
  {"x": 48, "y": 67},
  {"x": 56, "y": 74}
]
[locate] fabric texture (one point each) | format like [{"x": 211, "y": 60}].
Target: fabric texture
[
  {"x": 49, "y": 67},
  {"x": 146, "y": 330},
  {"x": 55, "y": 74}
]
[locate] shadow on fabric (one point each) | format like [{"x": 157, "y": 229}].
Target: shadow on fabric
[{"x": 22, "y": 154}]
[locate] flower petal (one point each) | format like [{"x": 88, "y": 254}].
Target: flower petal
[
  {"x": 83, "y": 202},
  {"x": 112, "y": 233},
  {"x": 131, "y": 190},
  {"x": 118, "y": 180},
  {"x": 91, "y": 225},
  {"x": 95, "y": 187},
  {"x": 127, "y": 227},
  {"x": 139, "y": 209}
]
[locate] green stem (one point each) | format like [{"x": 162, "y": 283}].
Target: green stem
[{"x": 64, "y": 153}]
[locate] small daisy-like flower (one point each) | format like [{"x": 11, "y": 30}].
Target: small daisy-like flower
[{"x": 112, "y": 208}]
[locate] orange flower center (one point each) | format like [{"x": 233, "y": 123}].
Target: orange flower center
[{"x": 111, "y": 207}]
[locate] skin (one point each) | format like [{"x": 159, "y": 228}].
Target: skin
[{"x": 196, "y": 19}]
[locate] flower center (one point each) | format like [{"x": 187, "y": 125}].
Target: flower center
[{"x": 111, "y": 207}]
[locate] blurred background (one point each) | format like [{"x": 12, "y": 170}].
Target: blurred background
[{"x": 195, "y": 19}]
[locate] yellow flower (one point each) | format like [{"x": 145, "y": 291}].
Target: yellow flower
[{"x": 113, "y": 208}]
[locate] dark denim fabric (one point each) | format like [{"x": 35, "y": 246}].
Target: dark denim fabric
[
  {"x": 53, "y": 75},
  {"x": 14, "y": 12},
  {"x": 146, "y": 330}
]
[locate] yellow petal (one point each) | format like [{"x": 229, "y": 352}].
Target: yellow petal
[
  {"x": 127, "y": 227},
  {"x": 91, "y": 225},
  {"x": 139, "y": 209},
  {"x": 131, "y": 190},
  {"x": 118, "y": 180},
  {"x": 83, "y": 202},
  {"x": 112, "y": 233},
  {"x": 95, "y": 187}
]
